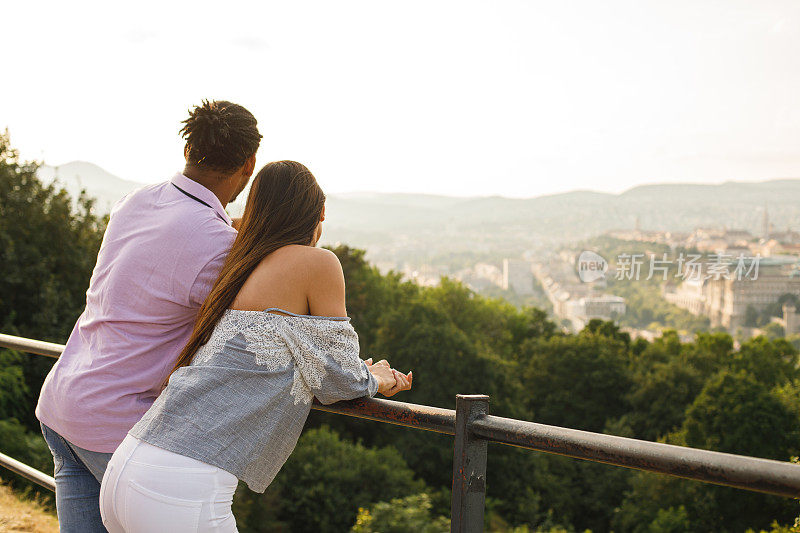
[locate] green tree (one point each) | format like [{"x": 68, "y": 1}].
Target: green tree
[
  {"x": 659, "y": 397},
  {"x": 668, "y": 376},
  {"x": 13, "y": 390},
  {"x": 671, "y": 520},
  {"x": 577, "y": 381},
  {"x": 323, "y": 484},
  {"x": 734, "y": 413},
  {"x": 24, "y": 445},
  {"x": 401, "y": 515},
  {"x": 771, "y": 362},
  {"x": 419, "y": 336},
  {"x": 709, "y": 353},
  {"x": 48, "y": 249},
  {"x": 369, "y": 294},
  {"x": 773, "y": 330}
]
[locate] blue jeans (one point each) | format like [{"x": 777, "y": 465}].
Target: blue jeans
[{"x": 78, "y": 474}]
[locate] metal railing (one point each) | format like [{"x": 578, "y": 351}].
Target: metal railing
[{"x": 473, "y": 428}]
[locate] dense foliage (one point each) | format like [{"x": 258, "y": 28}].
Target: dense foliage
[
  {"x": 412, "y": 513},
  {"x": 48, "y": 247},
  {"x": 348, "y": 473}
]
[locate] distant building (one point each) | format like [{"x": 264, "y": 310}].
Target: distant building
[
  {"x": 481, "y": 276},
  {"x": 605, "y": 307},
  {"x": 489, "y": 272},
  {"x": 771, "y": 247},
  {"x": 651, "y": 335},
  {"x": 572, "y": 299},
  {"x": 517, "y": 276},
  {"x": 790, "y": 320},
  {"x": 729, "y": 241},
  {"x": 725, "y": 301},
  {"x": 786, "y": 237},
  {"x": 670, "y": 238},
  {"x": 425, "y": 275},
  {"x": 689, "y": 295}
]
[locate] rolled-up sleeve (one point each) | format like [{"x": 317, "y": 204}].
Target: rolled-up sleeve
[
  {"x": 205, "y": 279},
  {"x": 326, "y": 352},
  {"x": 200, "y": 261}
]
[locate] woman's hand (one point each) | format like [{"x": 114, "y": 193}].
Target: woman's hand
[
  {"x": 383, "y": 373},
  {"x": 390, "y": 381},
  {"x": 402, "y": 382}
]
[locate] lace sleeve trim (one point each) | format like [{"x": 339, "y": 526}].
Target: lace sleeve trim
[
  {"x": 313, "y": 344},
  {"x": 273, "y": 338}
]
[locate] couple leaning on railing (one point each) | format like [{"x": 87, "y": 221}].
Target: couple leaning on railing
[{"x": 203, "y": 342}]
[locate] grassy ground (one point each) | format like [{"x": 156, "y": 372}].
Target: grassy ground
[{"x": 19, "y": 515}]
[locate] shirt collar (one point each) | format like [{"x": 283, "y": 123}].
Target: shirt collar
[{"x": 195, "y": 189}]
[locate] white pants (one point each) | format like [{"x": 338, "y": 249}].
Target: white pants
[{"x": 147, "y": 489}]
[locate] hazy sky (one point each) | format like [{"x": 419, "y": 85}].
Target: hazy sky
[{"x": 517, "y": 98}]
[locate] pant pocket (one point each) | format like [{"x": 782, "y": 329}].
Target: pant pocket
[
  {"x": 58, "y": 463},
  {"x": 147, "y": 511},
  {"x": 56, "y": 450}
]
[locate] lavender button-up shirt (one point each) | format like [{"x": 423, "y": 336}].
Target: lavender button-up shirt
[{"x": 161, "y": 253}]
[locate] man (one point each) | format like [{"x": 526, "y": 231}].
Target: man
[{"x": 161, "y": 253}]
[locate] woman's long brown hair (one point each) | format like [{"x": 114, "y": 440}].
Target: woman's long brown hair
[{"x": 284, "y": 207}]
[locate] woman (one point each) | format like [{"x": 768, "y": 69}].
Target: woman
[{"x": 272, "y": 334}]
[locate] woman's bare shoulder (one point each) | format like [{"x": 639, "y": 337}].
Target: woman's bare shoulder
[
  {"x": 322, "y": 278},
  {"x": 304, "y": 267},
  {"x": 296, "y": 278},
  {"x": 309, "y": 258}
]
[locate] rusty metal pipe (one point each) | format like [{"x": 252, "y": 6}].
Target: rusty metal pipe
[
  {"x": 399, "y": 413},
  {"x": 750, "y": 473}
]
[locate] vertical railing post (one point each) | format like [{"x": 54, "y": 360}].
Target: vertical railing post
[{"x": 469, "y": 466}]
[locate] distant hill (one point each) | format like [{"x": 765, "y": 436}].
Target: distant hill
[
  {"x": 77, "y": 175},
  {"x": 424, "y": 228},
  {"x": 398, "y": 228}
]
